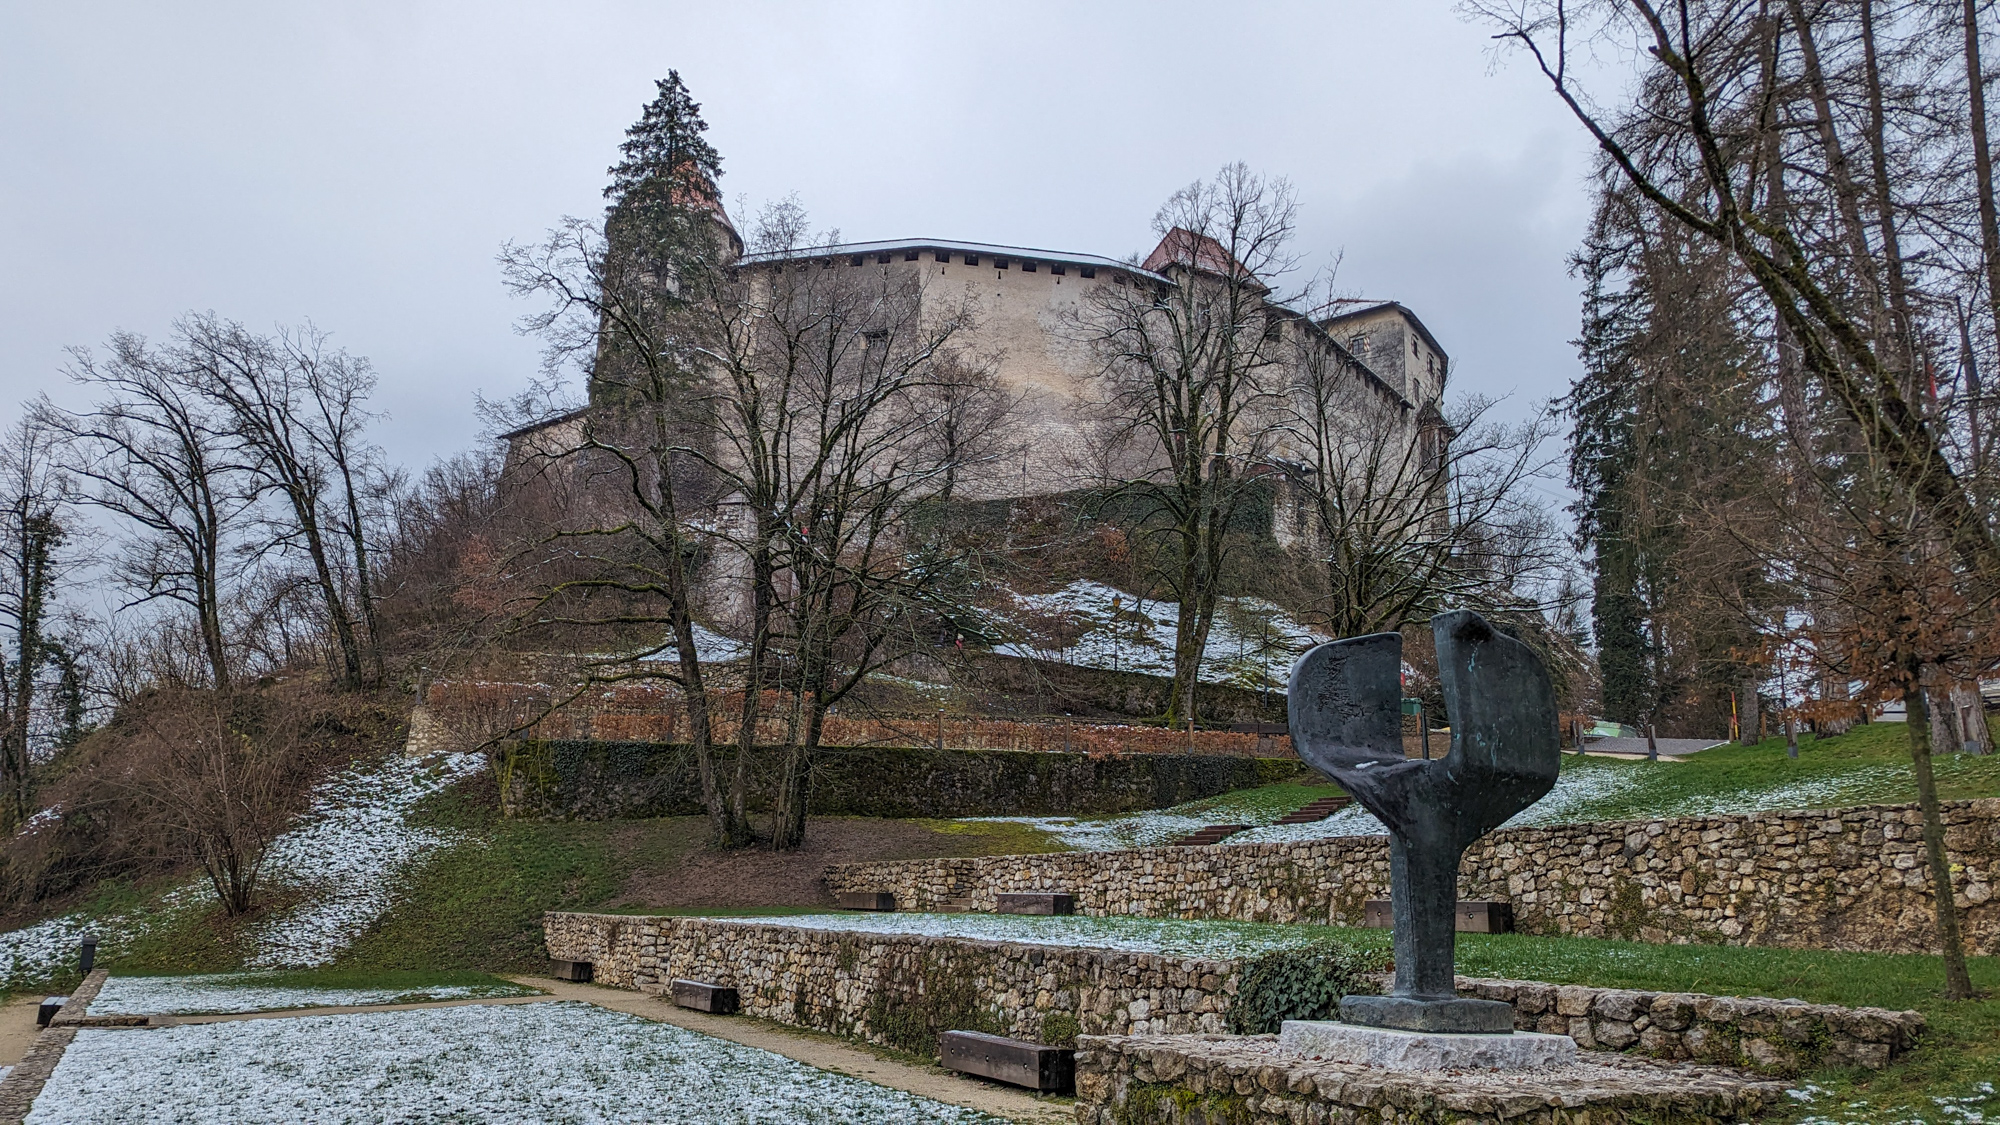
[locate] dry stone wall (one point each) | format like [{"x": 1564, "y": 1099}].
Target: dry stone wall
[
  {"x": 1848, "y": 879},
  {"x": 901, "y": 990},
  {"x": 1246, "y": 1080}
]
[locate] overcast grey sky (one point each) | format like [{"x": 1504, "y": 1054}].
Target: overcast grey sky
[{"x": 360, "y": 163}]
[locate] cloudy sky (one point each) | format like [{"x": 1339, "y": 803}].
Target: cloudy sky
[{"x": 360, "y": 163}]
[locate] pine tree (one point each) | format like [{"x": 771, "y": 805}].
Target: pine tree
[
  {"x": 667, "y": 162},
  {"x": 664, "y": 234},
  {"x": 1602, "y": 406}
]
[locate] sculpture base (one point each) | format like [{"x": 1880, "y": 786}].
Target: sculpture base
[
  {"x": 1446, "y": 1017},
  {"x": 1417, "y": 1050}
]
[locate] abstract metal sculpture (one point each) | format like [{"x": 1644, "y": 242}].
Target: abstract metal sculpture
[{"x": 1346, "y": 719}]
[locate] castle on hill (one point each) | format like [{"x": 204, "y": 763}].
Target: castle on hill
[{"x": 1028, "y": 301}]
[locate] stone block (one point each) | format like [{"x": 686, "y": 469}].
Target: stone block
[
  {"x": 704, "y": 997},
  {"x": 867, "y": 900},
  {"x": 1034, "y": 902},
  {"x": 579, "y": 972},
  {"x": 1395, "y": 1049},
  {"x": 1013, "y": 1061}
]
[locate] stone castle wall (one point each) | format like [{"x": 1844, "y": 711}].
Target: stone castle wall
[
  {"x": 901, "y": 990},
  {"x": 1847, "y": 879}
]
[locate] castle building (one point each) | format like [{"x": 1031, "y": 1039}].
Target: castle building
[{"x": 1027, "y": 303}]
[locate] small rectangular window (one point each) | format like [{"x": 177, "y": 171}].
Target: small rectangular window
[
  {"x": 972, "y": 259},
  {"x": 858, "y": 259},
  {"x": 999, "y": 263},
  {"x": 911, "y": 255},
  {"x": 824, "y": 263},
  {"x": 881, "y": 259},
  {"x": 1057, "y": 268},
  {"x": 1119, "y": 278},
  {"x": 1087, "y": 271},
  {"x": 941, "y": 256},
  {"x": 1027, "y": 267}
]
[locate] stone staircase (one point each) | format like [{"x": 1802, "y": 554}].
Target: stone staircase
[
  {"x": 1211, "y": 834},
  {"x": 1317, "y": 810},
  {"x": 1313, "y": 811}
]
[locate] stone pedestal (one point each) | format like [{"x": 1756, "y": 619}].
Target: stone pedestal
[
  {"x": 1405, "y": 1013},
  {"x": 1418, "y": 1050}
]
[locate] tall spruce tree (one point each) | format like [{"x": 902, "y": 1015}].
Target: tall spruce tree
[
  {"x": 663, "y": 226},
  {"x": 1602, "y": 406}
]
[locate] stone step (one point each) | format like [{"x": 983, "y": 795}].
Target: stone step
[
  {"x": 1211, "y": 834},
  {"x": 1317, "y": 810}
]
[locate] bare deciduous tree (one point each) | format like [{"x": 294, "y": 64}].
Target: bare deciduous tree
[{"x": 1189, "y": 372}]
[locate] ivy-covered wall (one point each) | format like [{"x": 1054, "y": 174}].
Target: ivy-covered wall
[{"x": 590, "y": 780}]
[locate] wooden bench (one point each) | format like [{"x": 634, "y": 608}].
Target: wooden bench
[
  {"x": 577, "y": 972},
  {"x": 705, "y": 997},
  {"x": 1473, "y": 916},
  {"x": 866, "y": 900},
  {"x": 1017, "y": 1062},
  {"x": 1034, "y": 902}
]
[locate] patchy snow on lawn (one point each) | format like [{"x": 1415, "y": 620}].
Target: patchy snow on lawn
[
  {"x": 1174, "y": 937},
  {"x": 1251, "y": 645},
  {"x": 505, "y": 1065},
  {"x": 32, "y": 953},
  {"x": 346, "y": 852},
  {"x": 250, "y": 992},
  {"x": 1575, "y": 791}
]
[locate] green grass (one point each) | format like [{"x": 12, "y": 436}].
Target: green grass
[{"x": 1868, "y": 765}]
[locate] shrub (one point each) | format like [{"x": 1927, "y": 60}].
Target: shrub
[{"x": 1299, "y": 984}]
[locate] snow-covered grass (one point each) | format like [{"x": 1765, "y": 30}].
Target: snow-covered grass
[
  {"x": 266, "y": 992},
  {"x": 346, "y": 852},
  {"x": 523, "y": 1063},
  {"x": 33, "y": 953},
  {"x": 1252, "y": 644},
  {"x": 341, "y": 858},
  {"x": 1575, "y": 792},
  {"x": 1176, "y": 937}
]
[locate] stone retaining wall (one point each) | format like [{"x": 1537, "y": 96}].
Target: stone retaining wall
[
  {"x": 595, "y": 780},
  {"x": 1849, "y": 879},
  {"x": 901, "y": 990},
  {"x": 1245, "y": 1080}
]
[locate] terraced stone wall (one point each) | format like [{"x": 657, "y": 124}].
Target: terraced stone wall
[
  {"x": 901, "y": 990},
  {"x": 1848, "y": 879},
  {"x": 580, "y": 779}
]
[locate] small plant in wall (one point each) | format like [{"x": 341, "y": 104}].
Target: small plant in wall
[{"x": 1300, "y": 984}]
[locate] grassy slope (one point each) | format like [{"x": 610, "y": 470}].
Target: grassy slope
[
  {"x": 479, "y": 905},
  {"x": 1868, "y": 765}
]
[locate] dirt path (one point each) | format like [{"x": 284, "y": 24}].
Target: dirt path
[
  {"x": 825, "y": 1053},
  {"x": 17, "y": 1028}
]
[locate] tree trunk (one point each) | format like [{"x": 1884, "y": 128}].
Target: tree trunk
[
  {"x": 1749, "y": 724},
  {"x": 1957, "y": 983},
  {"x": 1982, "y": 160}
]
